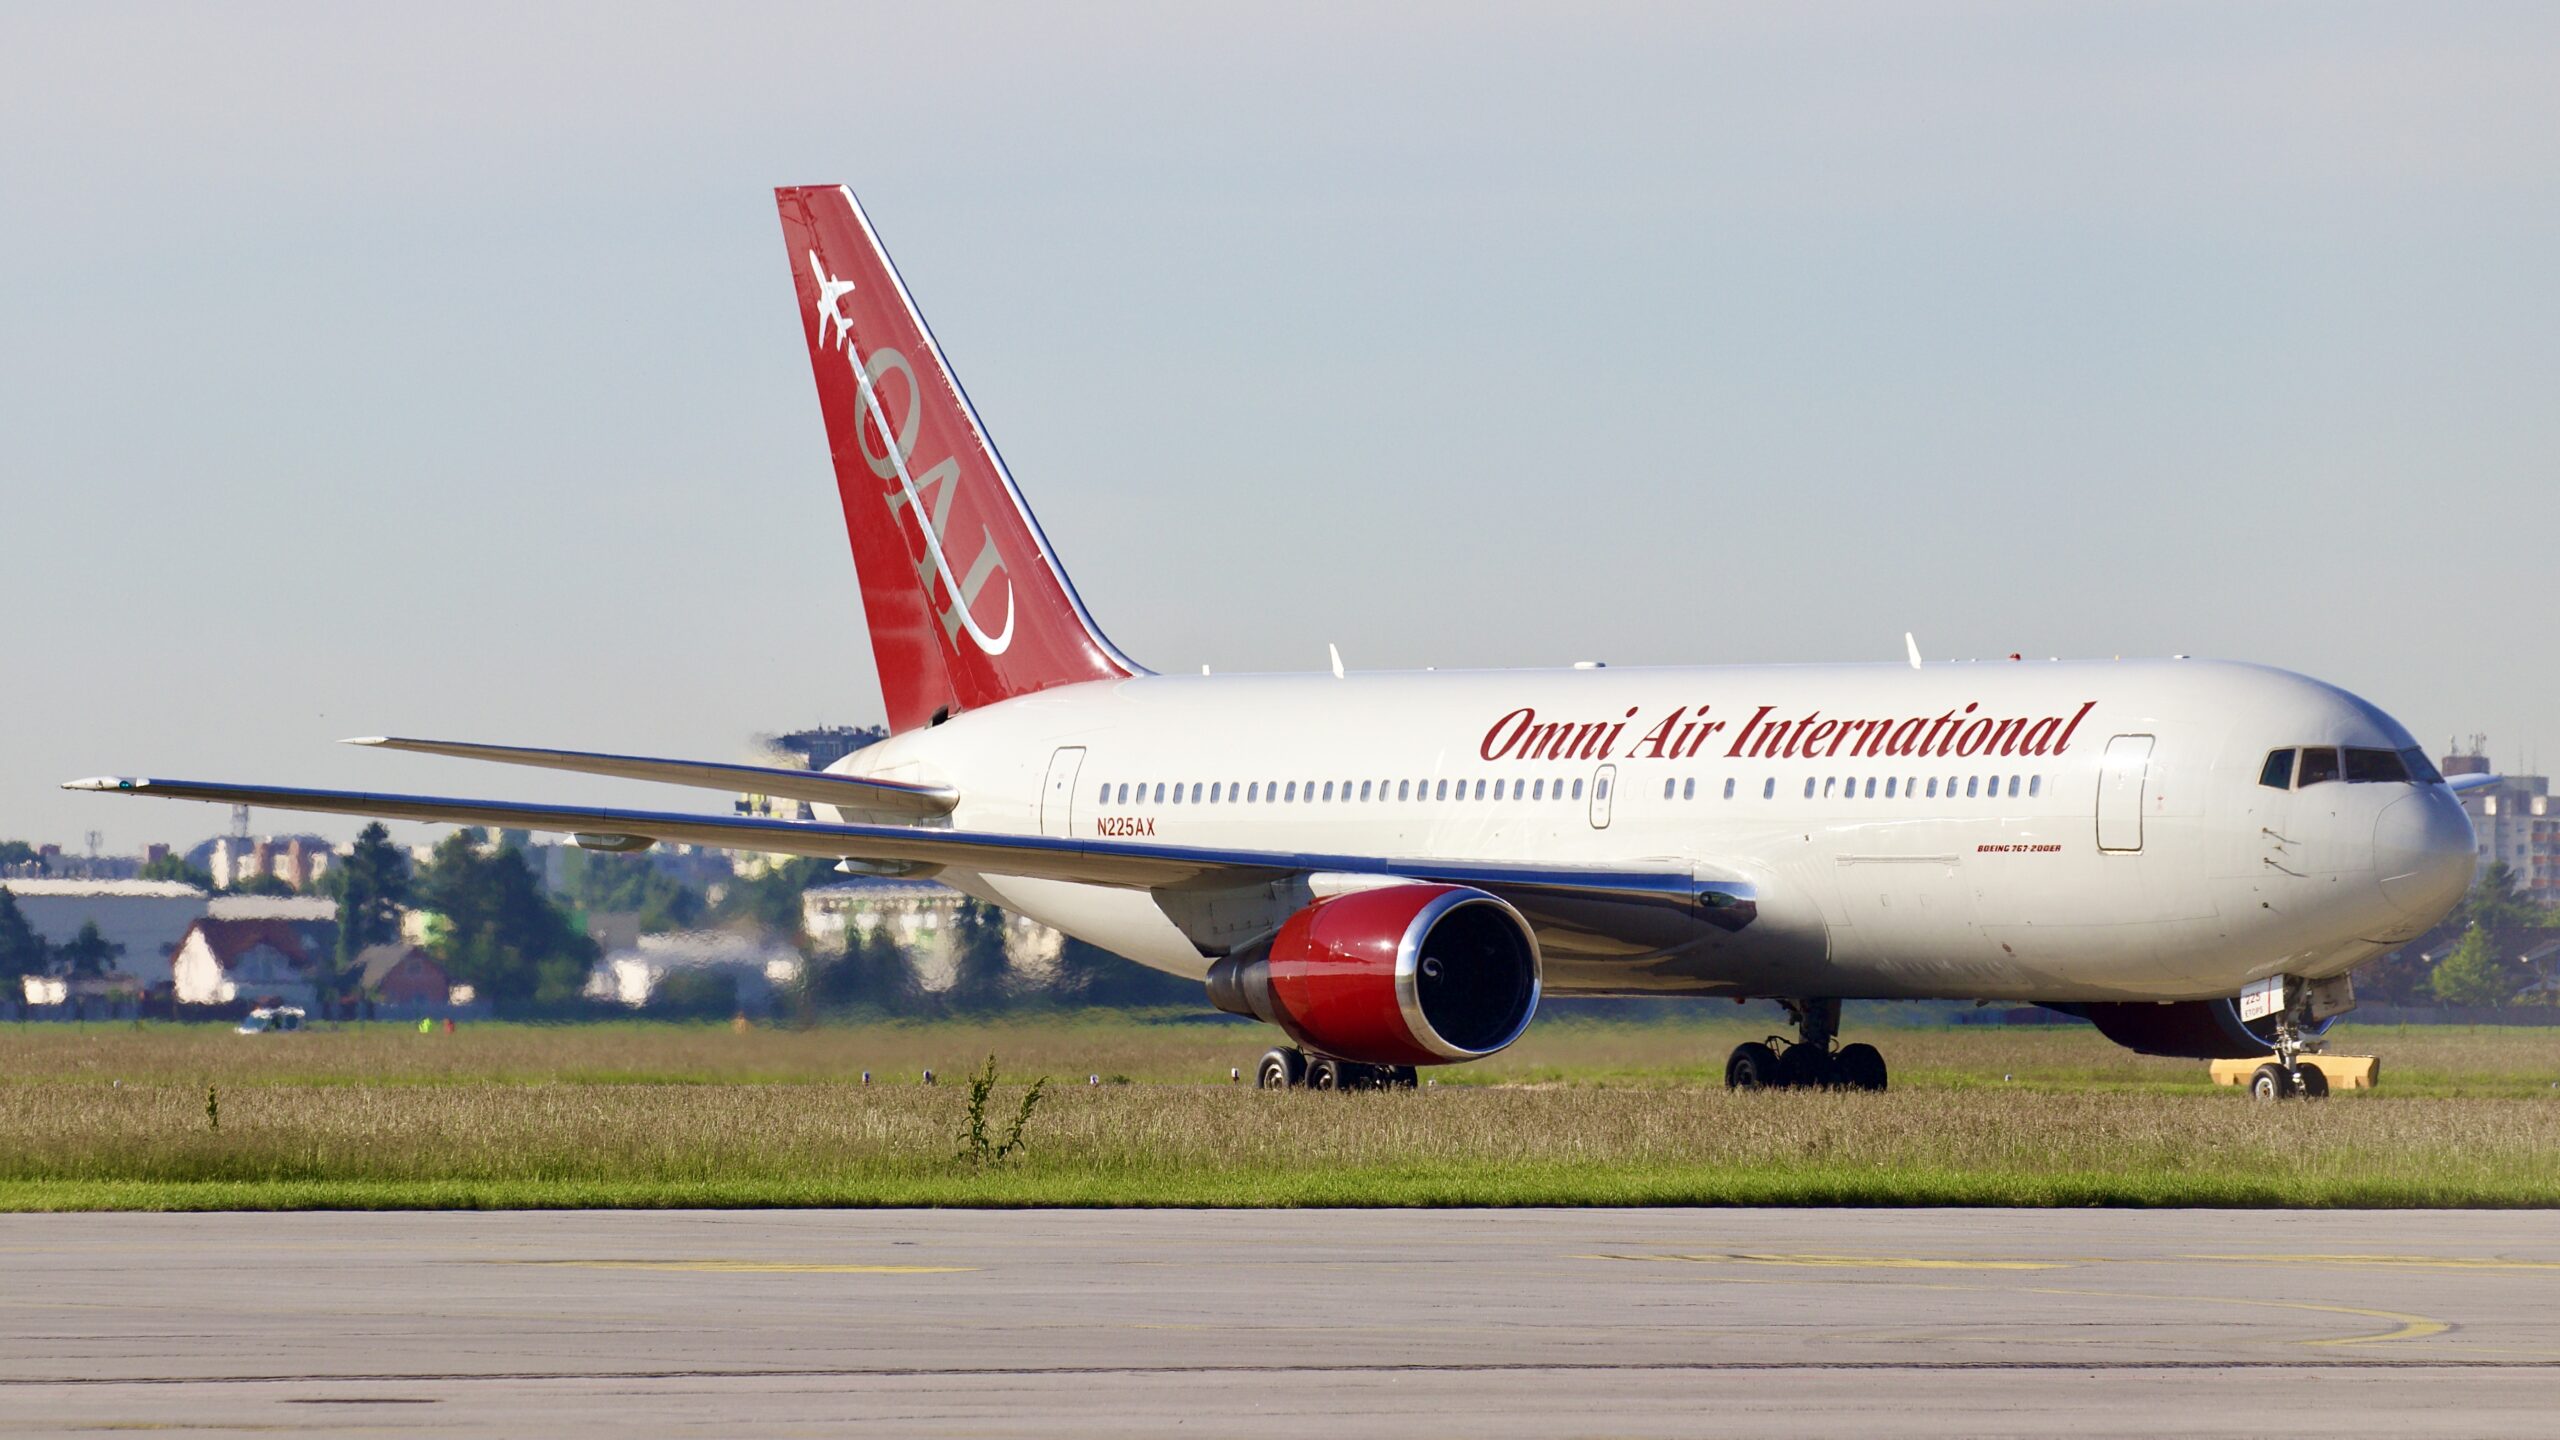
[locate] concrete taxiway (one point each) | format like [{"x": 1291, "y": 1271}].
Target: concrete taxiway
[{"x": 1111, "y": 1323}]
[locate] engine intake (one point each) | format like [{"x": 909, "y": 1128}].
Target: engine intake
[{"x": 1403, "y": 975}]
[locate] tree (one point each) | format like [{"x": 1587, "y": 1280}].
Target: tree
[
  {"x": 174, "y": 866},
  {"x": 1090, "y": 975},
  {"x": 871, "y": 973},
  {"x": 2473, "y": 974},
  {"x": 22, "y": 950},
  {"x": 983, "y": 975},
  {"x": 87, "y": 955},
  {"x": 19, "y": 852},
  {"x": 266, "y": 885},
  {"x": 2496, "y": 905},
  {"x": 631, "y": 884},
  {"x": 772, "y": 899},
  {"x": 501, "y": 933},
  {"x": 372, "y": 887}
]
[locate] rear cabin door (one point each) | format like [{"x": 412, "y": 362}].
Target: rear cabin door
[
  {"x": 1058, "y": 797},
  {"x": 1601, "y": 785},
  {"x": 2123, "y": 778}
]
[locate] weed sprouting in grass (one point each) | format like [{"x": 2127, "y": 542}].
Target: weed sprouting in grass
[
  {"x": 212, "y": 1109},
  {"x": 977, "y": 1150}
]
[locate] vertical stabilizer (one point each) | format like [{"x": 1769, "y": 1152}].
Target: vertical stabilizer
[{"x": 965, "y": 603}]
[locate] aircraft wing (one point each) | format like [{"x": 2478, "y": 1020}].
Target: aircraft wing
[
  {"x": 851, "y": 792},
  {"x": 1538, "y": 890}
]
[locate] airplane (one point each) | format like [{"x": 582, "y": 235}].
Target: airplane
[{"x": 1394, "y": 868}]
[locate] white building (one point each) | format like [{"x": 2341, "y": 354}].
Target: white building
[
  {"x": 919, "y": 916},
  {"x": 757, "y": 964},
  {"x": 146, "y": 917},
  {"x": 2514, "y": 821}
]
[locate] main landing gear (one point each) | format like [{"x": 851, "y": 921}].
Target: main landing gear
[
  {"x": 1808, "y": 1062},
  {"x": 1290, "y": 1068}
]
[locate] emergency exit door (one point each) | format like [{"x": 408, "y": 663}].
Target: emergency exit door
[
  {"x": 1058, "y": 797},
  {"x": 2124, "y": 782}
]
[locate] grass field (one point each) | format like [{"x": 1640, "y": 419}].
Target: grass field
[{"x": 1581, "y": 1112}]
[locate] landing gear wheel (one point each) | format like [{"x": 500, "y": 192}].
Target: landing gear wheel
[
  {"x": 1399, "y": 1077},
  {"x": 2310, "y": 1082},
  {"x": 1804, "y": 1067},
  {"x": 1751, "y": 1066},
  {"x": 1858, "y": 1067},
  {"x": 2270, "y": 1082},
  {"x": 1281, "y": 1069},
  {"x": 1328, "y": 1075}
]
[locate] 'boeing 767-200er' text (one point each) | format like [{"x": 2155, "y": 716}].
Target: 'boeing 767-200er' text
[{"x": 1393, "y": 868}]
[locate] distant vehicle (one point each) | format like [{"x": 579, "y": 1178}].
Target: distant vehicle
[
  {"x": 1393, "y": 868},
  {"x": 272, "y": 1020}
]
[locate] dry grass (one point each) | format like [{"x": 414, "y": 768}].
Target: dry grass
[{"x": 659, "y": 1115}]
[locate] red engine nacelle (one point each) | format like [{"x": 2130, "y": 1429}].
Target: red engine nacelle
[{"x": 1404, "y": 975}]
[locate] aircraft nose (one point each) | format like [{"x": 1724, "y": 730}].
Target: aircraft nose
[{"x": 2423, "y": 852}]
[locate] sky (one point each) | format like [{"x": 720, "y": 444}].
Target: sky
[{"x": 435, "y": 370}]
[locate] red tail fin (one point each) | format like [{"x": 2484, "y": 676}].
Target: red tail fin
[{"x": 966, "y": 605}]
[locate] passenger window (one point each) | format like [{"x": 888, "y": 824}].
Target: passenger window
[
  {"x": 1667, "y": 784},
  {"x": 1888, "y": 787},
  {"x": 2277, "y": 773},
  {"x": 1159, "y": 792},
  {"x": 2376, "y": 767},
  {"x": 1195, "y": 792},
  {"x": 1404, "y": 789},
  {"x": 1444, "y": 790},
  {"x": 2035, "y": 784},
  {"x": 1769, "y": 788},
  {"x": 1364, "y": 789},
  {"x": 1253, "y": 792},
  {"x": 1808, "y": 787},
  {"x": 1293, "y": 792},
  {"x": 1213, "y": 793},
  {"x": 1829, "y": 783},
  {"x": 1689, "y": 789},
  {"x": 1871, "y": 787},
  {"x": 2319, "y": 766},
  {"x": 1538, "y": 791},
  {"x": 1728, "y": 787},
  {"x": 2013, "y": 787},
  {"x": 1497, "y": 794},
  {"x": 1577, "y": 789},
  {"x": 1972, "y": 786},
  {"x": 1177, "y": 794},
  {"x": 1106, "y": 795}
]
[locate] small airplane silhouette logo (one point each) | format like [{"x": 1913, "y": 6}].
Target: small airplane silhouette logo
[{"x": 831, "y": 293}]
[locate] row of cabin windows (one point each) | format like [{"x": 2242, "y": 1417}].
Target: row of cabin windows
[
  {"x": 2320, "y": 764},
  {"x": 1293, "y": 792},
  {"x": 1885, "y": 787}
]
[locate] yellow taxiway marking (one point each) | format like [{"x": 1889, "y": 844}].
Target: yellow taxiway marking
[
  {"x": 1848, "y": 1262},
  {"x": 2406, "y": 1326},
  {"x": 2390, "y": 1262},
  {"x": 747, "y": 1267}
]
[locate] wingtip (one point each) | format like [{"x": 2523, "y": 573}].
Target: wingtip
[
  {"x": 366, "y": 740},
  {"x": 104, "y": 782}
]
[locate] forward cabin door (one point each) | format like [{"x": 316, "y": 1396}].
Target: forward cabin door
[
  {"x": 1058, "y": 797},
  {"x": 1601, "y": 785},
  {"x": 2123, "y": 782}
]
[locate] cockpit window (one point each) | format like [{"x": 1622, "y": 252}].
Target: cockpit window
[
  {"x": 2421, "y": 769},
  {"x": 2278, "y": 775},
  {"x": 2319, "y": 765},
  {"x": 2376, "y": 767}
]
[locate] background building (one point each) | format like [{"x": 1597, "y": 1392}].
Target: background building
[{"x": 2514, "y": 822}]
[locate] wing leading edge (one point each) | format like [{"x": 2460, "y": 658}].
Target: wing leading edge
[
  {"x": 888, "y": 797},
  {"x": 1131, "y": 866}
]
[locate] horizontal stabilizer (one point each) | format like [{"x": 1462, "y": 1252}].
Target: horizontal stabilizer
[
  {"x": 2459, "y": 783},
  {"x": 877, "y": 797}
]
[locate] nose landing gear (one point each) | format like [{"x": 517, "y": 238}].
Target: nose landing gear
[
  {"x": 1289, "y": 1068},
  {"x": 2288, "y": 1077},
  {"x": 1808, "y": 1062}
]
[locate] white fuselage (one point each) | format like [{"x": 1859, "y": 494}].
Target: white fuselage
[{"x": 1954, "y": 830}]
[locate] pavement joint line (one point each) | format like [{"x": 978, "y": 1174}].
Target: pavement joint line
[
  {"x": 920, "y": 1372},
  {"x": 744, "y": 1267}
]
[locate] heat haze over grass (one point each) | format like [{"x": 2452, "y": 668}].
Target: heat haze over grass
[{"x": 504, "y": 1116}]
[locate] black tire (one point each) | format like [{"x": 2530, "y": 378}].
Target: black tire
[
  {"x": 2311, "y": 1082},
  {"x": 1327, "y": 1075},
  {"x": 1859, "y": 1067},
  {"x": 2270, "y": 1082},
  {"x": 1751, "y": 1066},
  {"x": 1804, "y": 1067},
  {"x": 1399, "y": 1077},
  {"x": 1281, "y": 1069}
]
